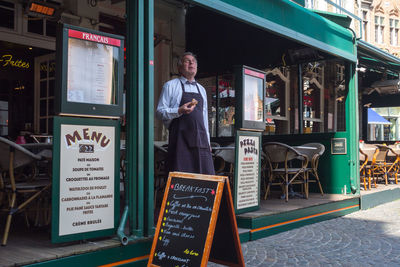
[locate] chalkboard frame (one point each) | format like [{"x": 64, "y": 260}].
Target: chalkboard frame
[
  {"x": 240, "y": 133},
  {"x": 223, "y": 195}
]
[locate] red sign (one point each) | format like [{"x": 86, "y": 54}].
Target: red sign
[
  {"x": 254, "y": 73},
  {"x": 94, "y": 37}
]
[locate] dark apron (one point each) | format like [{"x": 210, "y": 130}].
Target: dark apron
[{"x": 188, "y": 147}]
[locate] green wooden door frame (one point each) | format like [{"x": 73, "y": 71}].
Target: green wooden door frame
[{"x": 139, "y": 116}]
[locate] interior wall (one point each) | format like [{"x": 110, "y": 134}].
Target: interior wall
[{"x": 170, "y": 43}]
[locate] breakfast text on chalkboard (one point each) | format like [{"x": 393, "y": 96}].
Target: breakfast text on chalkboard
[{"x": 184, "y": 222}]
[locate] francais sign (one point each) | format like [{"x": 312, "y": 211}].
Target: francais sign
[{"x": 196, "y": 222}]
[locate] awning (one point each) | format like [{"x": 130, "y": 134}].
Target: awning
[
  {"x": 289, "y": 20},
  {"x": 375, "y": 57},
  {"x": 375, "y": 118}
]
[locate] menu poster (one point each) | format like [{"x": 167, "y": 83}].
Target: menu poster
[
  {"x": 253, "y": 95},
  {"x": 191, "y": 212},
  {"x": 86, "y": 184},
  {"x": 90, "y": 72},
  {"x": 247, "y": 184}
]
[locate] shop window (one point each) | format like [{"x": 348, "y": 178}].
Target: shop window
[
  {"x": 276, "y": 101},
  {"x": 7, "y": 15},
  {"x": 44, "y": 93},
  {"x": 313, "y": 94},
  {"x": 226, "y": 105}
]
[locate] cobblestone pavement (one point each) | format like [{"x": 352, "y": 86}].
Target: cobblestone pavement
[{"x": 363, "y": 238}]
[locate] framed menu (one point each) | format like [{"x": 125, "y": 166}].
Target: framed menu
[
  {"x": 250, "y": 88},
  {"x": 89, "y": 72},
  {"x": 85, "y": 193},
  {"x": 247, "y": 171}
]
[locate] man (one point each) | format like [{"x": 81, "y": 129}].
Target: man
[{"x": 183, "y": 109}]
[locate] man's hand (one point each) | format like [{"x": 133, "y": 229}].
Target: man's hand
[{"x": 186, "y": 108}]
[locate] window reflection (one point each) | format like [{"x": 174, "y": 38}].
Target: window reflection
[{"x": 323, "y": 96}]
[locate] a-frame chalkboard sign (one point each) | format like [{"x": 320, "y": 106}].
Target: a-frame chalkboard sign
[{"x": 196, "y": 223}]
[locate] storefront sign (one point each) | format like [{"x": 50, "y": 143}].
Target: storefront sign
[
  {"x": 247, "y": 183},
  {"x": 87, "y": 181},
  {"x": 9, "y": 60}
]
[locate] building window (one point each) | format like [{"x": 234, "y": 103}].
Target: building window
[
  {"x": 310, "y": 4},
  {"x": 42, "y": 26},
  {"x": 365, "y": 25},
  {"x": 394, "y": 32},
  {"x": 379, "y": 29},
  {"x": 7, "y": 15}
]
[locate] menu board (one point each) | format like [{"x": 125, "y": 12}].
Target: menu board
[
  {"x": 85, "y": 186},
  {"x": 249, "y": 92},
  {"x": 188, "y": 219},
  {"x": 247, "y": 184},
  {"x": 86, "y": 178},
  {"x": 90, "y": 72}
]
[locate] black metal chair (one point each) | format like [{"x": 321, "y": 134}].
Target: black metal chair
[
  {"x": 282, "y": 168},
  {"x": 20, "y": 194}
]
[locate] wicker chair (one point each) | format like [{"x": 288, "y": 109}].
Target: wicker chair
[
  {"x": 281, "y": 171},
  {"x": 19, "y": 193},
  {"x": 313, "y": 158}
]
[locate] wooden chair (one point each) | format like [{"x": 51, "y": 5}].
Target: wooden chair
[
  {"x": 282, "y": 170},
  {"x": 394, "y": 159},
  {"x": 19, "y": 193},
  {"x": 380, "y": 165},
  {"x": 363, "y": 168},
  {"x": 370, "y": 151},
  {"x": 313, "y": 159}
]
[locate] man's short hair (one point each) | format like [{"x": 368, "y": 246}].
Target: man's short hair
[{"x": 180, "y": 61}]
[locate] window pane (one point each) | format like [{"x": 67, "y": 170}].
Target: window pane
[
  {"x": 52, "y": 69},
  {"x": 50, "y": 128},
  {"x": 43, "y": 89},
  {"x": 43, "y": 107},
  {"x": 6, "y": 18},
  {"x": 51, "y": 87},
  {"x": 51, "y": 28},
  {"x": 226, "y": 107},
  {"x": 43, "y": 126},
  {"x": 51, "y": 106},
  {"x": 43, "y": 70},
  {"x": 35, "y": 25}
]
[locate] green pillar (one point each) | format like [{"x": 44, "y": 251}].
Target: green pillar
[
  {"x": 134, "y": 114},
  {"x": 149, "y": 117}
]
